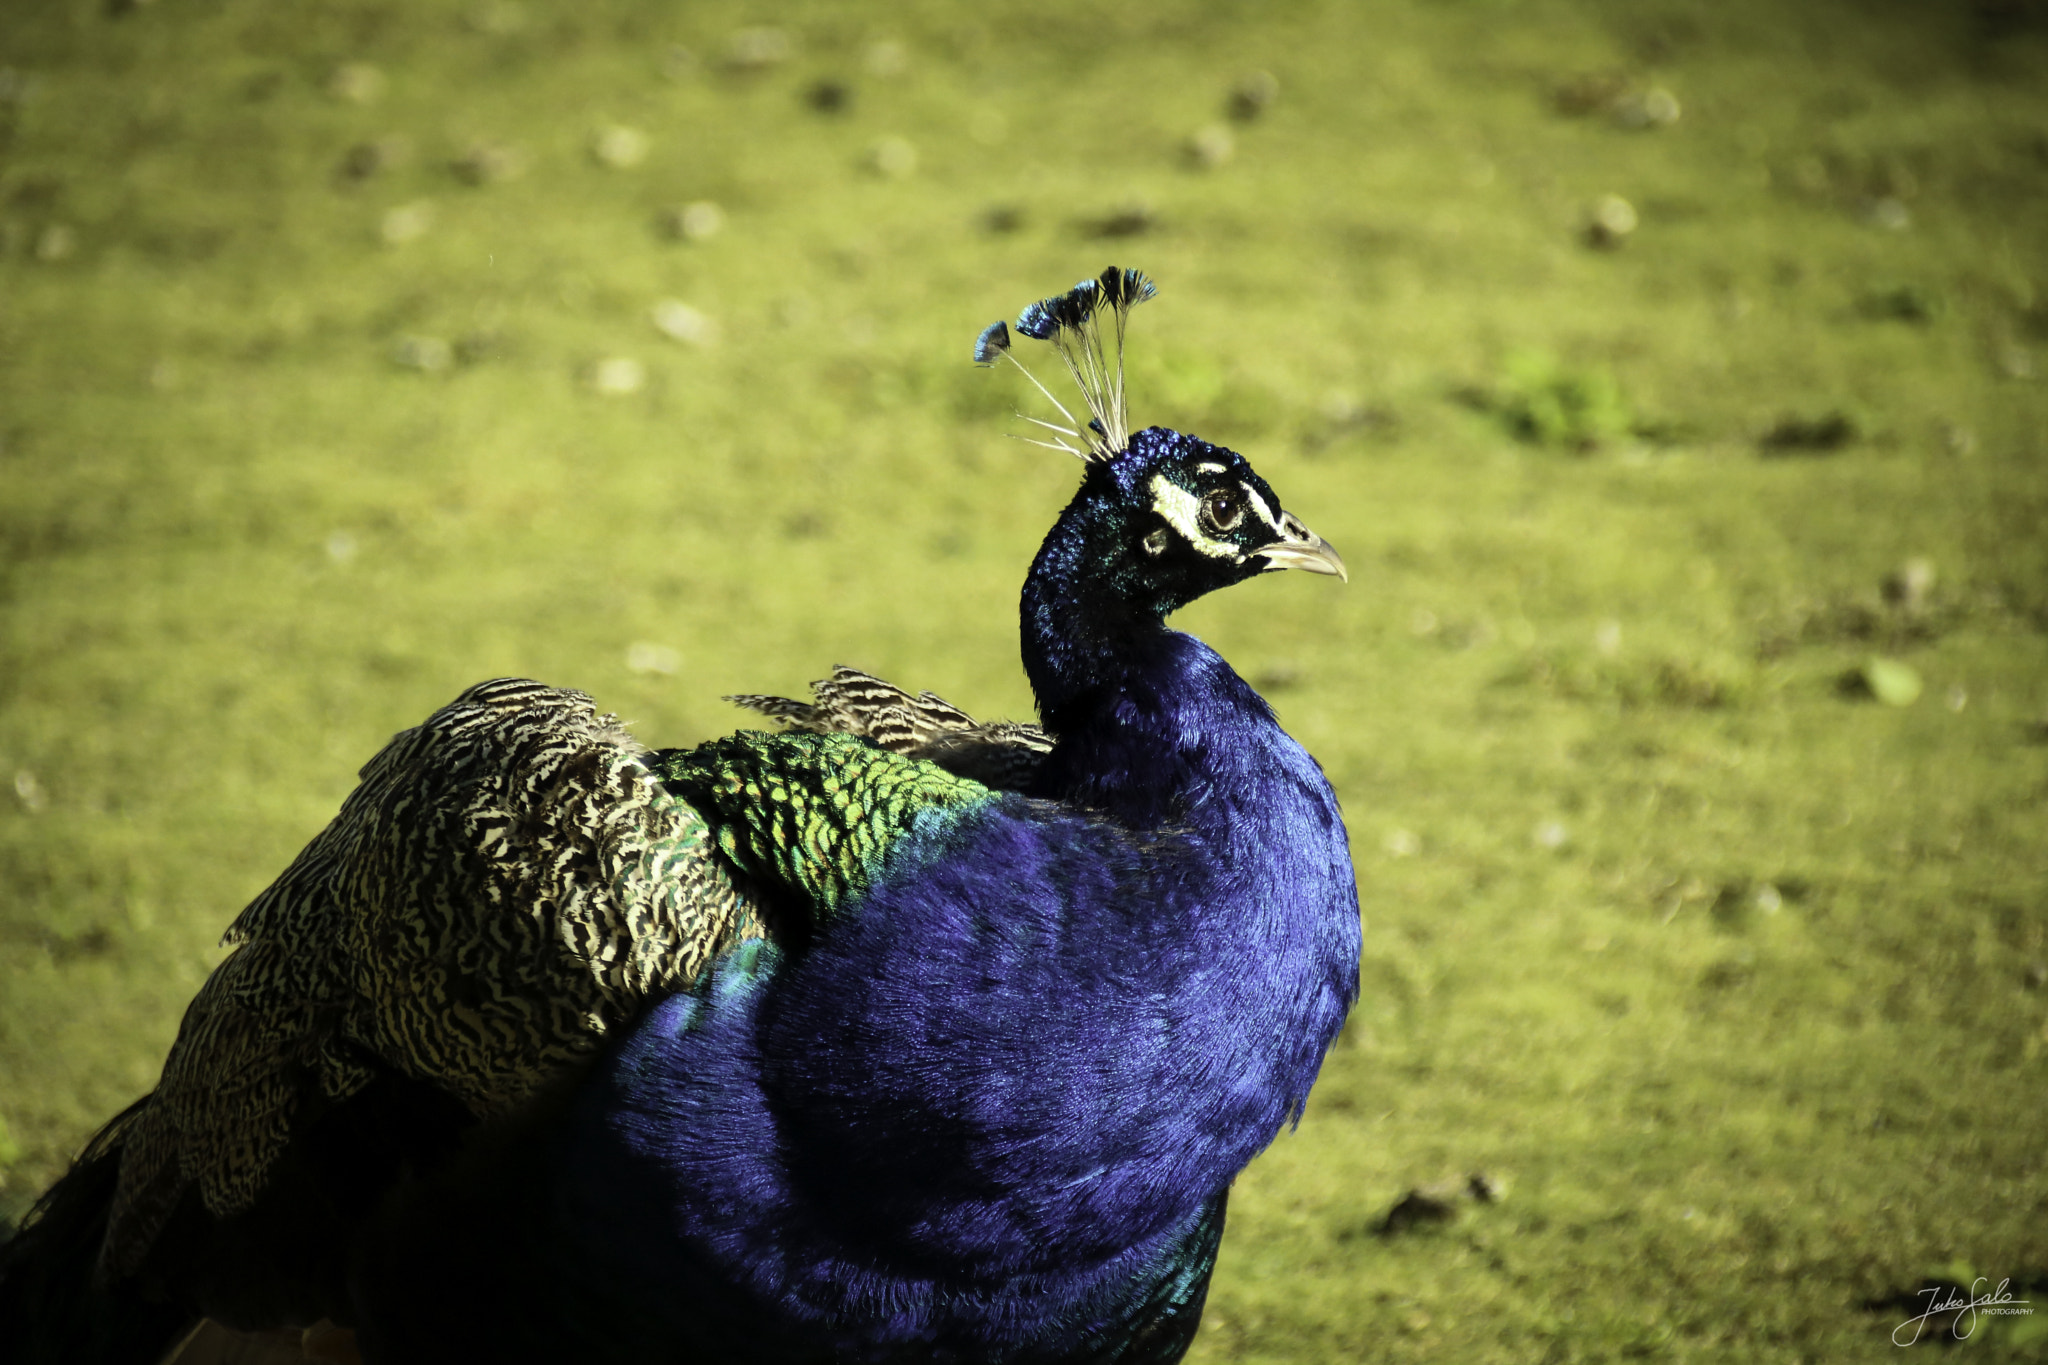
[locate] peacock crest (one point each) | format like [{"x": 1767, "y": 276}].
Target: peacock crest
[{"x": 1073, "y": 323}]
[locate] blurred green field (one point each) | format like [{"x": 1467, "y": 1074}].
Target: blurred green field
[{"x": 1689, "y": 700}]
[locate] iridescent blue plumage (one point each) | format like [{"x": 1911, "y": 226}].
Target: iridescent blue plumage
[
  {"x": 992, "y": 1109},
  {"x": 992, "y": 344},
  {"x": 1126, "y": 288},
  {"x": 980, "y": 1092},
  {"x": 1078, "y": 304},
  {"x": 1039, "y": 320}
]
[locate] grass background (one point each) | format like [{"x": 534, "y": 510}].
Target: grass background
[{"x": 1735, "y": 976}]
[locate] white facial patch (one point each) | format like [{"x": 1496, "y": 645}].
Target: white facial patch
[
  {"x": 1266, "y": 513},
  {"x": 1178, "y": 507}
]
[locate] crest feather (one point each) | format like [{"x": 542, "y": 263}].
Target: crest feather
[{"x": 1073, "y": 324}]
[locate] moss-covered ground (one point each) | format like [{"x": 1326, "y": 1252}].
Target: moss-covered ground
[{"x": 1689, "y": 700}]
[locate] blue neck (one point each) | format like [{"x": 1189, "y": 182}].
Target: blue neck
[
  {"x": 1084, "y": 623},
  {"x": 1151, "y": 724}
]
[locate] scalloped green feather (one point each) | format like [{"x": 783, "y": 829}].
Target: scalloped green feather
[{"x": 817, "y": 814}]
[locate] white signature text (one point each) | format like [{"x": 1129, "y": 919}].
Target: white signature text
[{"x": 1997, "y": 1302}]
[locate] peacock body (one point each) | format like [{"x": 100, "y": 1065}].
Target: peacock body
[{"x": 893, "y": 1036}]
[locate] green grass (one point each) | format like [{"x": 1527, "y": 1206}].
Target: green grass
[{"x": 1735, "y": 976}]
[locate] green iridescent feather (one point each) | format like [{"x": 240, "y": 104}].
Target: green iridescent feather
[{"x": 817, "y": 814}]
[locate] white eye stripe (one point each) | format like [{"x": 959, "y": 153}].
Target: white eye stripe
[
  {"x": 1265, "y": 512},
  {"x": 1211, "y": 468},
  {"x": 1180, "y": 507}
]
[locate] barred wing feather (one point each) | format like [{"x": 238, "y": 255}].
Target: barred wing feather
[
  {"x": 1000, "y": 754},
  {"x": 508, "y": 884}
]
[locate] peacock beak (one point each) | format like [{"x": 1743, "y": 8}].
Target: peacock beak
[{"x": 1301, "y": 549}]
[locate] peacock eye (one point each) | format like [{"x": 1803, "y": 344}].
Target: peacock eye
[
  {"x": 1222, "y": 510},
  {"x": 1155, "y": 543}
]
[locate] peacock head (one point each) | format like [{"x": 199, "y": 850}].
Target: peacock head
[{"x": 1161, "y": 518}]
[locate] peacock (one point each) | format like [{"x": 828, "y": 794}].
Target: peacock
[{"x": 886, "y": 1036}]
